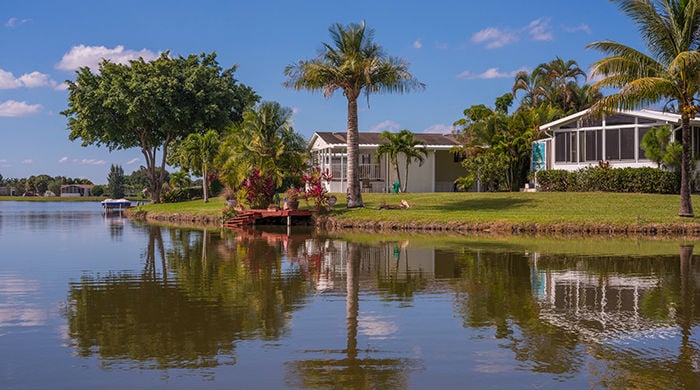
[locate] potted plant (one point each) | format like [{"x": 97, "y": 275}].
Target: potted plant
[{"x": 291, "y": 198}]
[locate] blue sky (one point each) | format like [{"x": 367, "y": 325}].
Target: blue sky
[{"x": 466, "y": 52}]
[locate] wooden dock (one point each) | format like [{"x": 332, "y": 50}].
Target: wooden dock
[{"x": 268, "y": 217}]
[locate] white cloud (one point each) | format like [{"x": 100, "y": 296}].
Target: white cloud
[
  {"x": 133, "y": 161},
  {"x": 581, "y": 27},
  {"x": 13, "y": 108},
  {"x": 28, "y": 161},
  {"x": 491, "y": 73},
  {"x": 62, "y": 160},
  {"x": 385, "y": 125},
  {"x": 540, "y": 30},
  {"x": 417, "y": 44},
  {"x": 90, "y": 161},
  {"x": 14, "y": 22},
  {"x": 494, "y": 38},
  {"x": 91, "y": 56},
  {"x": 27, "y": 80},
  {"x": 4, "y": 163},
  {"x": 296, "y": 110},
  {"x": 439, "y": 128}
]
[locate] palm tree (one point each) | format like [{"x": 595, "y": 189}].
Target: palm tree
[
  {"x": 670, "y": 73},
  {"x": 197, "y": 153},
  {"x": 404, "y": 143},
  {"x": 354, "y": 64},
  {"x": 265, "y": 141}
]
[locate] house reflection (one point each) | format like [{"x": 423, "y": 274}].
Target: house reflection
[{"x": 613, "y": 303}]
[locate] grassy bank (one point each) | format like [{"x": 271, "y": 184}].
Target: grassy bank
[{"x": 497, "y": 210}]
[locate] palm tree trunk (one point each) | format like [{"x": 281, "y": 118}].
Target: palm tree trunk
[
  {"x": 398, "y": 172},
  {"x": 405, "y": 182},
  {"x": 686, "y": 209},
  {"x": 354, "y": 194},
  {"x": 205, "y": 192}
]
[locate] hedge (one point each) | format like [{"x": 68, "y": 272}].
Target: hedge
[{"x": 641, "y": 180}]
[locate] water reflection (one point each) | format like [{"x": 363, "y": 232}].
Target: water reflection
[
  {"x": 609, "y": 321},
  {"x": 184, "y": 310},
  {"x": 351, "y": 367}
]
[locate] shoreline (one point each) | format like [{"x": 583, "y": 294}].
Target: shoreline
[{"x": 336, "y": 224}]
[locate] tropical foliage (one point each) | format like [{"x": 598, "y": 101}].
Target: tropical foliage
[
  {"x": 153, "y": 105},
  {"x": 314, "y": 183},
  {"x": 667, "y": 74},
  {"x": 265, "y": 141},
  {"x": 402, "y": 143},
  {"x": 496, "y": 145},
  {"x": 355, "y": 64},
  {"x": 197, "y": 153}
]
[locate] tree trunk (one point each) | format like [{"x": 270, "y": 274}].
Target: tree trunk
[
  {"x": 686, "y": 209},
  {"x": 205, "y": 192},
  {"x": 352, "y": 304},
  {"x": 398, "y": 173},
  {"x": 405, "y": 182},
  {"x": 354, "y": 194}
]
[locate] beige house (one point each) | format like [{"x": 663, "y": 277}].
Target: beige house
[{"x": 437, "y": 173}]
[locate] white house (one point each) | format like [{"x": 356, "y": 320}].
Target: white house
[
  {"x": 582, "y": 139},
  {"x": 437, "y": 174}
]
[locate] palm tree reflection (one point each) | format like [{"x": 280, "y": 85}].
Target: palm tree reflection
[{"x": 350, "y": 367}]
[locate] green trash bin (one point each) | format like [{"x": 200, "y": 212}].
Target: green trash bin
[{"x": 395, "y": 187}]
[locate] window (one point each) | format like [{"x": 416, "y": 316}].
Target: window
[
  {"x": 594, "y": 145},
  {"x": 642, "y": 132},
  {"x": 561, "y": 152},
  {"x": 365, "y": 158},
  {"x": 612, "y": 144},
  {"x": 626, "y": 144}
]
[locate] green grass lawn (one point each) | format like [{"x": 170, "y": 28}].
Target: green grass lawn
[
  {"x": 521, "y": 207},
  {"x": 512, "y": 208}
]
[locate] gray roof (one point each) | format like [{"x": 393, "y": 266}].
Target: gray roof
[{"x": 366, "y": 138}]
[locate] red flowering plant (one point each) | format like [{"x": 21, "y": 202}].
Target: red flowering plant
[
  {"x": 315, "y": 189},
  {"x": 259, "y": 190}
]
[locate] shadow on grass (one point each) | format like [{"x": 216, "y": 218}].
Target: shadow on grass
[{"x": 482, "y": 204}]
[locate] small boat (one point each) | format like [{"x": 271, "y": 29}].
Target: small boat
[{"x": 115, "y": 204}]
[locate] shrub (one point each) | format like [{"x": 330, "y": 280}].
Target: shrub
[
  {"x": 641, "y": 180},
  {"x": 259, "y": 190},
  {"x": 315, "y": 190}
]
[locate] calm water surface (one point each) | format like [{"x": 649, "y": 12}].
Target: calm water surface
[{"x": 88, "y": 301}]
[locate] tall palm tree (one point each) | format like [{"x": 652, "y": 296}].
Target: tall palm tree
[
  {"x": 669, "y": 73},
  {"x": 354, "y": 64},
  {"x": 402, "y": 143},
  {"x": 197, "y": 153}
]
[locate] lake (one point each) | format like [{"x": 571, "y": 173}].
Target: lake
[{"x": 92, "y": 301}]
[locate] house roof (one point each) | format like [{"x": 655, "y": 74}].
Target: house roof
[
  {"x": 375, "y": 139},
  {"x": 647, "y": 114}
]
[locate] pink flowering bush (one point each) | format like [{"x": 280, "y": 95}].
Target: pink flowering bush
[
  {"x": 259, "y": 190},
  {"x": 315, "y": 190}
]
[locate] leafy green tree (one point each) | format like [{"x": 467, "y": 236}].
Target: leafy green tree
[
  {"x": 655, "y": 142},
  {"x": 115, "y": 181},
  {"x": 668, "y": 73},
  {"x": 402, "y": 143},
  {"x": 197, "y": 153},
  {"x": 355, "y": 64},
  {"x": 265, "y": 141},
  {"x": 98, "y": 190},
  {"x": 180, "y": 179},
  {"x": 497, "y": 146},
  {"x": 152, "y": 105}
]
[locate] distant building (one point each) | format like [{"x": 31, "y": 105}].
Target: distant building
[
  {"x": 8, "y": 191},
  {"x": 68, "y": 190}
]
